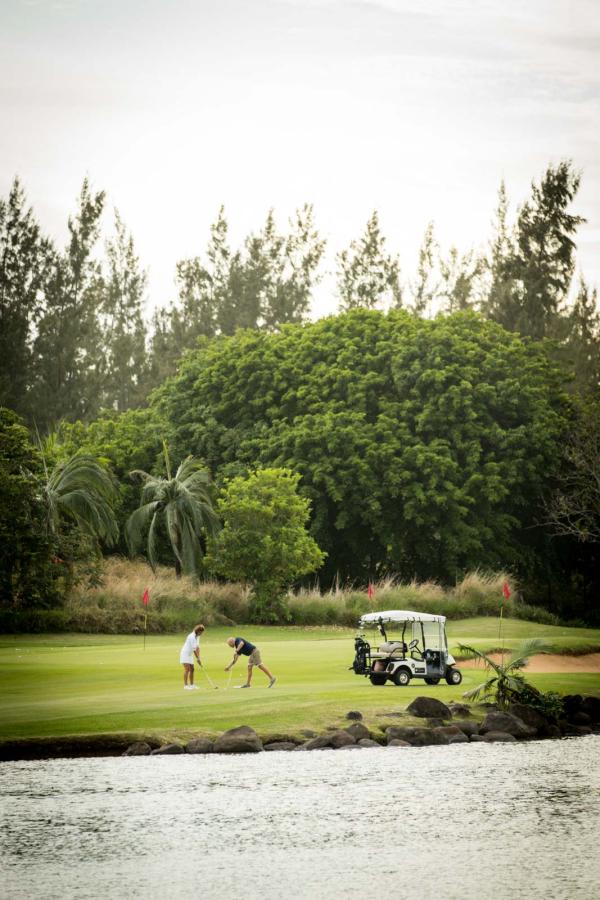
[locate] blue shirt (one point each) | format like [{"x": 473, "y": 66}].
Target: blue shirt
[{"x": 246, "y": 649}]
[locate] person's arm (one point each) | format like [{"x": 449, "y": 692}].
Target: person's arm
[
  {"x": 197, "y": 655},
  {"x": 236, "y": 655}
]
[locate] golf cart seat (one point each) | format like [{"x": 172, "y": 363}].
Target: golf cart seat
[{"x": 389, "y": 648}]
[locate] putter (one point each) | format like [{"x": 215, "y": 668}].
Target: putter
[{"x": 209, "y": 679}]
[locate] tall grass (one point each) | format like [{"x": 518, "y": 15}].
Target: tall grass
[{"x": 115, "y": 606}]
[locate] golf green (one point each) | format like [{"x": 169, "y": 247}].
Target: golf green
[{"x": 56, "y": 685}]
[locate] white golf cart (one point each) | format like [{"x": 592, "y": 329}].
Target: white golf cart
[{"x": 418, "y": 649}]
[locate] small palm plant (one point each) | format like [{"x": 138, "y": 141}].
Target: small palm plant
[
  {"x": 82, "y": 491},
  {"x": 183, "y": 504},
  {"x": 506, "y": 684}
]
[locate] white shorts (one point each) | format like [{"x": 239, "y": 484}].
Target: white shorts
[{"x": 186, "y": 658}]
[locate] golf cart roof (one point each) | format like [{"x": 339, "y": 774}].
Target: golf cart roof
[{"x": 398, "y": 616}]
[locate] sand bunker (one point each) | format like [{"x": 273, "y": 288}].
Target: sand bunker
[{"x": 548, "y": 662}]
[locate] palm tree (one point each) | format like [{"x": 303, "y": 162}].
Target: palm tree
[
  {"x": 184, "y": 504},
  {"x": 505, "y": 683},
  {"x": 82, "y": 491}
]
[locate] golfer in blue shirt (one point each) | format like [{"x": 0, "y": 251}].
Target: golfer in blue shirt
[{"x": 242, "y": 647}]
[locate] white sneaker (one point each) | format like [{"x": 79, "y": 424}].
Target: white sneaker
[
  {"x": 193, "y": 687},
  {"x": 187, "y": 687}
]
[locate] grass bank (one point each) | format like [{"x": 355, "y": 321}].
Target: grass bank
[{"x": 56, "y": 685}]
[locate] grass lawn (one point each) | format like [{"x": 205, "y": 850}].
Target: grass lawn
[{"x": 56, "y": 685}]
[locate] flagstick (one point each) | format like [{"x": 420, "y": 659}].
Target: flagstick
[
  {"x": 500, "y": 637},
  {"x": 145, "y": 627}
]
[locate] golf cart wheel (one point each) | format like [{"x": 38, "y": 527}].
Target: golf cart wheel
[
  {"x": 402, "y": 677},
  {"x": 377, "y": 679},
  {"x": 432, "y": 680},
  {"x": 453, "y": 676}
]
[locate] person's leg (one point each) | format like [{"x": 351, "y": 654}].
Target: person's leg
[
  {"x": 191, "y": 675},
  {"x": 264, "y": 669},
  {"x": 185, "y": 674},
  {"x": 250, "y": 667}
]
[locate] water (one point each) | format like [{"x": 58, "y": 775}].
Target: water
[{"x": 478, "y": 820}]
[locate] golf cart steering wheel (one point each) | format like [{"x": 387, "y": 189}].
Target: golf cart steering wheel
[{"x": 414, "y": 646}]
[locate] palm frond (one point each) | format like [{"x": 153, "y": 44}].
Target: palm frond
[
  {"x": 137, "y": 524},
  {"x": 520, "y": 655},
  {"x": 472, "y": 653},
  {"x": 484, "y": 688},
  {"x": 92, "y": 514}
]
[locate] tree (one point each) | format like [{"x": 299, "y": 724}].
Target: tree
[
  {"x": 532, "y": 272},
  {"x": 67, "y": 351},
  {"x": 23, "y": 260},
  {"x": 264, "y": 540},
  {"x": 121, "y": 291},
  {"x": 459, "y": 275},
  {"x": 582, "y": 343},
  {"x": 182, "y": 504},
  {"x": 368, "y": 277},
  {"x": 425, "y": 288},
  {"x": 574, "y": 507},
  {"x": 28, "y": 575},
  {"x": 423, "y": 445},
  {"x": 505, "y": 683},
  {"x": 80, "y": 491}
]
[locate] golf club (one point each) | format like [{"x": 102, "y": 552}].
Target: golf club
[{"x": 208, "y": 678}]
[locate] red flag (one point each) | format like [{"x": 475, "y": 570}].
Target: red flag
[
  {"x": 506, "y": 590},
  {"x": 370, "y": 591},
  {"x": 146, "y": 597}
]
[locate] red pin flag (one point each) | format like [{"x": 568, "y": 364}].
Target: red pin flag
[
  {"x": 370, "y": 591},
  {"x": 506, "y": 590},
  {"x": 146, "y": 597}
]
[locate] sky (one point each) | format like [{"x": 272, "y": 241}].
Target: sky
[{"x": 415, "y": 108}]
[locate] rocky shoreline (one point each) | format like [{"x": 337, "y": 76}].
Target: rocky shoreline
[{"x": 442, "y": 724}]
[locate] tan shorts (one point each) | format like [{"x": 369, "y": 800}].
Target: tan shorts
[{"x": 254, "y": 658}]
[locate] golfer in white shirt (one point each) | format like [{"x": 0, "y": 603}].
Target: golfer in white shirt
[{"x": 190, "y": 649}]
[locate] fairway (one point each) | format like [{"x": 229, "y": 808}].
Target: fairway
[{"x": 56, "y": 685}]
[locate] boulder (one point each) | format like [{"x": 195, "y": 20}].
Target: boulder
[
  {"x": 280, "y": 737},
  {"x": 138, "y": 748},
  {"x": 591, "y": 707},
  {"x": 280, "y": 745},
  {"x": 497, "y": 737},
  {"x": 351, "y": 747},
  {"x": 399, "y": 732},
  {"x": 459, "y": 738},
  {"x": 396, "y": 742},
  {"x": 506, "y": 723},
  {"x": 476, "y": 738},
  {"x": 448, "y": 729},
  {"x": 434, "y": 723},
  {"x": 367, "y": 742},
  {"x": 340, "y": 739},
  {"x": 417, "y": 737},
  {"x": 572, "y": 703},
  {"x": 459, "y": 709},
  {"x": 575, "y": 730},
  {"x": 321, "y": 742},
  {"x": 552, "y": 731},
  {"x": 580, "y": 718},
  {"x": 358, "y": 731},
  {"x": 199, "y": 745},
  {"x": 238, "y": 740},
  {"x": 467, "y": 726},
  {"x": 168, "y": 750},
  {"x": 308, "y": 733},
  {"x": 529, "y": 716},
  {"x": 429, "y": 708},
  {"x": 354, "y": 714}
]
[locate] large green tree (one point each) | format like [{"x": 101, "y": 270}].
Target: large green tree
[
  {"x": 423, "y": 445},
  {"x": 368, "y": 276}
]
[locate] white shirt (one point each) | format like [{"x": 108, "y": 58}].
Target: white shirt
[{"x": 191, "y": 644}]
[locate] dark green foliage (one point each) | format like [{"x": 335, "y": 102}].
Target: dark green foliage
[
  {"x": 368, "y": 277},
  {"x": 423, "y": 445},
  {"x": 28, "y": 567}
]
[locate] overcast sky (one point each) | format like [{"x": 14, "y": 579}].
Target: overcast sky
[{"x": 416, "y": 108}]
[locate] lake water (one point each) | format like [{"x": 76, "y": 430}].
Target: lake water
[{"x": 475, "y": 820}]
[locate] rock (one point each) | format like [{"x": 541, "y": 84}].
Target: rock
[
  {"x": 476, "y": 738},
  {"x": 138, "y": 748},
  {"x": 278, "y": 737},
  {"x": 199, "y": 745},
  {"x": 552, "y": 731},
  {"x": 591, "y": 707},
  {"x": 506, "y": 723},
  {"x": 238, "y": 740},
  {"x": 280, "y": 745},
  {"x": 435, "y": 723},
  {"x": 399, "y": 732},
  {"x": 448, "y": 729},
  {"x": 580, "y": 718},
  {"x": 459, "y": 738},
  {"x": 467, "y": 726},
  {"x": 354, "y": 714},
  {"x": 529, "y": 716},
  {"x": 351, "y": 747},
  {"x": 340, "y": 739},
  {"x": 367, "y": 742},
  {"x": 576, "y": 730},
  {"x": 425, "y": 738},
  {"x": 497, "y": 737},
  {"x": 308, "y": 733},
  {"x": 168, "y": 750},
  {"x": 572, "y": 703},
  {"x": 396, "y": 742},
  {"x": 321, "y": 742},
  {"x": 459, "y": 709},
  {"x": 358, "y": 731},
  {"x": 429, "y": 708}
]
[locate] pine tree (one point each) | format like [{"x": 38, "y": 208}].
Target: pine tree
[
  {"x": 68, "y": 345},
  {"x": 459, "y": 276},
  {"x": 23, "y": 260},
  {"x": 583, "y": 341},
  {"x": 368, "y": 276},
  {"x": 124, "y": 338},
  {"x": 425, "y": 288}
]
